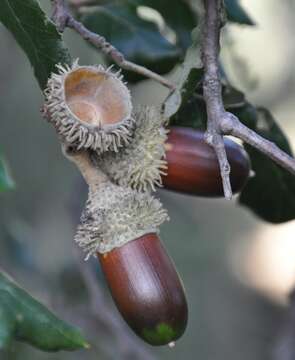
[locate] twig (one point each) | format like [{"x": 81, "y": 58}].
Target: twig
[
  {"x": 62, "y": 18},
  {"x": 221, "y": 122},
  {"x": 212, "y": 89},
  {"x": 231, "y": 125}
]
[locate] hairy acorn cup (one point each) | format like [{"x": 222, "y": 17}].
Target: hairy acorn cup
[
  {"x": 90, "y": 107},
  {"x": 193, "y": 166},
  {"x": 142, "y": 162},
  {"x": 147, "y": 289}
]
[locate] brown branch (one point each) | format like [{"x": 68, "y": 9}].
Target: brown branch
[
  {"x": 231, "y": 125},
  {"x": 62, "y": 18},
  {"x": 221, "y": 122},
  {"x": 212, "y": 89}
]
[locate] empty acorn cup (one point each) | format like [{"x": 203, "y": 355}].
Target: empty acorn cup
[{"x": 90, "y": 107}]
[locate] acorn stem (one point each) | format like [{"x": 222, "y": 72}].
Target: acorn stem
[{"x": 92, "y": 174}]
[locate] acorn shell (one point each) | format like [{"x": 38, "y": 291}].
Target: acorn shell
[
  {"x": 90, "y": 107},
  {"x": 141, "y": 164},
  {"x": 115, "y": 215},
  {"x": 147, "y": 289}
]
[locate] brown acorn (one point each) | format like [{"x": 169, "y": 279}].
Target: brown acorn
[
  {"x": 193, "y": 166},
  {"x": 147, "y": 289}
]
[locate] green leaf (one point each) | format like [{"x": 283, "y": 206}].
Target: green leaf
[
  {"x": 236, "y": 103},
  {"x": 236, "y": 13},
  {"x": 270, "y": 194},
  {"x": 6, "y": 182},
  {"x": 139, "y": 40},
  {"x": 36, "y": 34},
  {"x": 177, "y": 15},
  {"x": 25, "y": 319},
  {"x": 191, "y": 113},
  {"x": 188, "y": 75}
]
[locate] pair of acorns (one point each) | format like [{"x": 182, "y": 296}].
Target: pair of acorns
[{"x": 124, "y": 155}]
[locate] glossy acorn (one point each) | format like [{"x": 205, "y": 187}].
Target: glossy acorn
[
  {"x": 193, "y": 166},
  {"x": 147, "y": 289}
]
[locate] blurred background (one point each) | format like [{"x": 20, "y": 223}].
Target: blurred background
[{"x": 238, "y": 271}]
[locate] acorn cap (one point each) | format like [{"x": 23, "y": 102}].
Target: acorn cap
[
  {"x": 90, "y": 107},
  {"x": 115, "y": 215},
  {"x": 141, "y": 163}
]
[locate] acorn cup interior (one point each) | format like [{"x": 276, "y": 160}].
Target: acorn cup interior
[{"x": 97, "y": 98}]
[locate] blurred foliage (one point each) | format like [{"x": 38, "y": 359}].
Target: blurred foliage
[
  {"x": 236, "y": 13},
  {"x": 188, "y": 76},
  {"x": 36, "y": 34},
  {"x": 6, "y": 182},
  {"x": 177, "y": 15},
  {"x": 271, "y": 192},
  {"x": 140, "y": 40},
  {"x": 24, "y": 319}
]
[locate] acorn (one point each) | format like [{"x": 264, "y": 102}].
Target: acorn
[
  {"x": 147, "y": 289},
  {"x": 193, "y": 166},
  {"x": 120, "y": 226},
  {"x": 90, "y": 107},
  {"x": 140, "y": 164}
]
